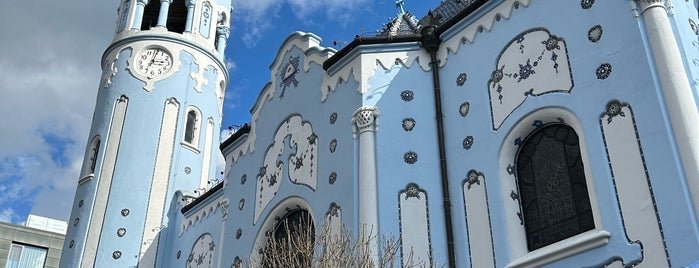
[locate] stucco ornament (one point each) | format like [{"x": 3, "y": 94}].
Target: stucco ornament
[
  {"x": 295, "y": 135},
  {"x": 534, "y": 63}
]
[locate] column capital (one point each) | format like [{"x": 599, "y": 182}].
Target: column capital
[
  {"x": 646, "y": 4},
  {"x": 223, "y": 31},
  {"x": 166, "y": 1},
  {"x": 142, "y": 2},
  {"x": 190, "y": 3},
  {"x": 365, "y": 118}
]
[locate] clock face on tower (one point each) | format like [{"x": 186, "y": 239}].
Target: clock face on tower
[{"x": 152, "y": 62}]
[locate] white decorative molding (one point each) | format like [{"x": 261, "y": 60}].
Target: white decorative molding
[
  {"x": 86, "y": 178},
  {"x": 193, "y": 217},
  {"x": 333, "y": 221},
  {"x": 363, "y": 66},
  {"x": 534, "y": 63},
  {"x": 206, "y": 161},
  {"x": 199, "y": 78},
  {"x": 453, "y": 41},
  {"x": 309, "y": 44},
  {"x": 109, "y": 70},
  {"x": 646, "y": 4},
  {"x": 632, "y": 185},
  {"x": 105, "y": 182},
  {"x": 302, "y": 164},
  {"x": 159, "y": 183},
  {"x": 414, "y": 221},
  {"x": 564, "y": 248},
  {"x": 480, "y": 236}
]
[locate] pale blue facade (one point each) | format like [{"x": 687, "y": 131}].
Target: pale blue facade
[{"x": 352, "y": 137}]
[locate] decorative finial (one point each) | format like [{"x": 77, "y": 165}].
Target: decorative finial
[{"x": 399, "y": 5}]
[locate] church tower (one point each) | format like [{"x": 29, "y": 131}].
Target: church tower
[{"x": 156, "y": 121}]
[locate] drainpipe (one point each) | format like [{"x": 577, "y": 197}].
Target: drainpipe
[{"x": 431, "y": 42}]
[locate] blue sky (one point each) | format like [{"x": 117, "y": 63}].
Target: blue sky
[{"x": 49, "y": 72}]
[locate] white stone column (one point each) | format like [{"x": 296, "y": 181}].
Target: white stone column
[
  {"x": 164, "y": 9},
  {"x": 138, "y": 17},
  {"x": 190, "y": 15},
  {"x": 222, "y": 33},
  {"x": 365, "y": 120},
  {"x": 677, "y": 92}
]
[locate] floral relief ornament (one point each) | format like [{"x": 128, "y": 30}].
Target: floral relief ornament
[
  {"x": 587, "y": 4},
  {"x": 603, "y": 71},
  {"x": 461, "y": 79},
  {"x": 595, "y": 33}
]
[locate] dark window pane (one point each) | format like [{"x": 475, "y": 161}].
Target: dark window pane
[
  {"x": 150, "y": 15},
  {"x": 177, "y": 16},
  {"x": 189, "y": 126},
  {"x": 552, "y": 186}
]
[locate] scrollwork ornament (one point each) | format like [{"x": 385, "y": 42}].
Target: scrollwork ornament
[{"x": 224, "y": 208}]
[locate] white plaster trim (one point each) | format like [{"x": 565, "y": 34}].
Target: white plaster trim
[
  {"x": 201, "y": 59},
  {"x": 454, "y": 41},
  {"x": 206, "y": 161},
  {"x": 199, "y": 213},
  {"x": 561, "y": 249},
  {"x": 272, "y": 171},
  {"x": 632, "y": 186},
  {"x": 480, "y": 241},
  {"x": 86, "y": 178},
  {"x": 105, "y": 183},
  {"x": 414, "y": 228},
  {"x": 363, "y": 66},
  {"x": 190, "y": 147},
  {"x": 515, "y": 231},
  {"x": 159, "y": 184}
]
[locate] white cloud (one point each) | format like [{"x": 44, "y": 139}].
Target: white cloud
[
  {"x": 7, "y": 215},
  {"x": 230, "y": 65},
  {"x": 49, "y": 82},
  {"x": 258, "y": 16}
]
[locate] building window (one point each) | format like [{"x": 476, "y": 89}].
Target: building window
[
  {"x": 191, "y": 127},
  {"x": 177, "y": 16},
  {"x": 25, "y": 256},
  {"x": 94, "y": 152},
  {"x": 150, "y": 15},
  {"x": 292, "y": 240},
  {"x": 552, "y": 186}
]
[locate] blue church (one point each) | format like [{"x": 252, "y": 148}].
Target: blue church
[{"x": 501, "y": 133}]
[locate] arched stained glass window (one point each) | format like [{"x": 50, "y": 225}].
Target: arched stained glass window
[{"x": 552, "y": 186}]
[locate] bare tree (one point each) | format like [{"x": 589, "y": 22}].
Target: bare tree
[{"x": 296, "y": 244}]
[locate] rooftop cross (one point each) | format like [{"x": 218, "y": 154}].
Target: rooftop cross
[{"x": 399, "y": 4}]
